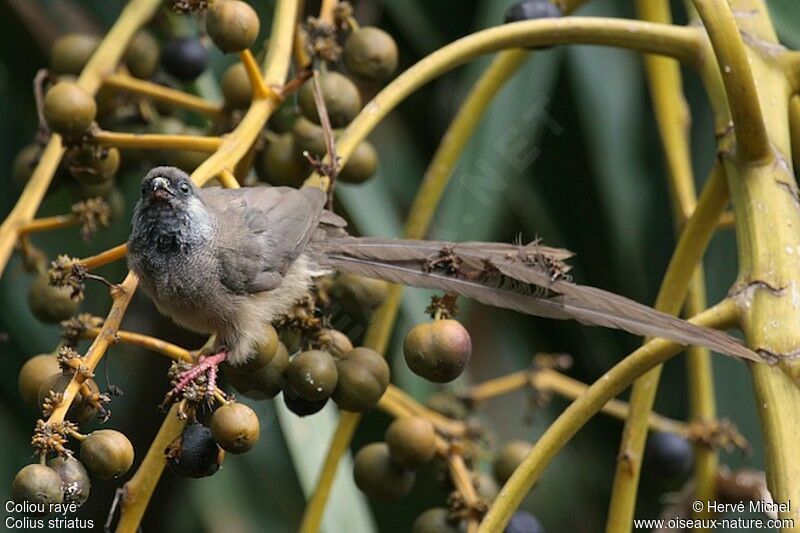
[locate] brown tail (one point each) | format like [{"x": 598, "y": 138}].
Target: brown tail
[{"x": 531, "y": 279}]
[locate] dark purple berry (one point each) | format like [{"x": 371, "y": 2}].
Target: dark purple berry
[
  {"x": 194, "y": 454},
  {"x": 523, "y": 522},
  {"x": 301, "y": 406},
  {"x": 669, "y": 455},
  {"x": 531, "y": 10},
  {"x": 185, "y": 58}
]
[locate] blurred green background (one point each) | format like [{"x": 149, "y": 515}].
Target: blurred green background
[{"x": 591, "y": 180}]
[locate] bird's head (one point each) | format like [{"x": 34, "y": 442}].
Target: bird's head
[{"x": 168, "y": 187}]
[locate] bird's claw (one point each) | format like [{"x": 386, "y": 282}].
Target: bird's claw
[{"x": 206, "y": 367}]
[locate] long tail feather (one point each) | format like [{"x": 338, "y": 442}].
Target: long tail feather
[{"x": 530, "y": 279}]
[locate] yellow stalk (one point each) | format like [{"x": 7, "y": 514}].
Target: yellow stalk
[
  {"x": 623, "y": 374},
  {"x": 160, "y": 93}
]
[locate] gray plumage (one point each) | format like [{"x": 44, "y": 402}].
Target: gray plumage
[{"x": 229, "y": 261}]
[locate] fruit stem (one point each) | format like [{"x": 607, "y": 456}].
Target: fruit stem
[
  {"x": 39, "y": 225},
  {"x": 551, "y": 381},
  {"x": 153, "y": 344},
  {"x": 462, "y": 481},
  {"x": 160, "y": 93},
  {"x": 227, "y": 179},
  {"x": 105, "y": 258},
  {"x": 260, "y": 89},
  {"x": 723, "y": 315},
  {"x": 331, "y": 170},
  {"x": 443, "y": 424},
  {"x": 157, "y": 141},
  {"x": 327, "y": 10}
]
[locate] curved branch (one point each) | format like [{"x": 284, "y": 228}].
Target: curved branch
[
  {"x": 655, "y": 352},
  {"x": 672, "y": 116},
  {"x": 681, "y": 43},
  {"x": 687, "y": 255},
  {"x": 748, "y": 121}
]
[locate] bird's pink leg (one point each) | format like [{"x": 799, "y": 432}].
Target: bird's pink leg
[{"x": 205, "y": 364}]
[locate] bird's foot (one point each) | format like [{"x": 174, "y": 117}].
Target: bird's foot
[{"x": 198, "y": 381}]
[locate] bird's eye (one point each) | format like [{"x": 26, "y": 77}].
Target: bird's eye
[{"x": 185, "y": 188}]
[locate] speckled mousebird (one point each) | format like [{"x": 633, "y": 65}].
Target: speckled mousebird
[{"x": 230, "y": 261}]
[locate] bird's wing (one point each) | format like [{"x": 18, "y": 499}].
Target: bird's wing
[{"x": 262, "y": 232}]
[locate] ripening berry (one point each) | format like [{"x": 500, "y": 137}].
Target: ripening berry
[
  {"x": 68, "y": 109},
  {"x": 523, "y": 522},
  {"x": 185, "y": 58},
  {"x": 75, "y": 481},
  {"x": 308, "y": 137},
  {"x": 194, "y": 453},
  {"x": 370, "y": 53},
  {"x": 411, "y": 441},
  {"x": 236, "y": 90},
  {"x": 265, "y": 382},
  {"x": 360, "y": 166},
  {"x": 436, "y": 520},
  {"x": 280, "y": 164},
  {"x": 232, "y": 24},
  {"x": 378, "y": 477},
  {"x": 33, "y": 373},
  {"x": 356, "y": 294},
  {"x": 363, "y": 378},
  {"x": 48, "y": 303},
  {"x": 235, "y": 427},
  {"x": 24, "y": 163},
  {"x": 89, "y": 168},
  {"x": 143, "y": 55},
  {"x": 37, "y": 484},
  {"x": 438, "y": 351},
  {"x": 313, "y": 375},
  {"x": 107, "y": 453},
  {"x": 486, "y": 486},
  {"x": 336, "y": 343},
  {"x": 282, "y": 120},
  {"x": 81, "y": 411},
  {"x": 71, "y": 52},
  {"x": 341, "y": 97},
  {"x": 509, "y": 458}
]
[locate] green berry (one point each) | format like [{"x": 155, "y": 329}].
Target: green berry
[
  {"x": 370, "y": 53},
  {"x": 341, "y": 97},
  {"x": 107, "y": 453},
  {"x": 378, "y": 477},
  {"x": 235, "y": 427},
  {"x": 232, "y": 25}
]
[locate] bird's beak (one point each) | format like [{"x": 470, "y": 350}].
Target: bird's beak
[{"x": 161, "y": 190}]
